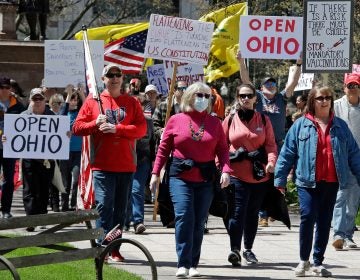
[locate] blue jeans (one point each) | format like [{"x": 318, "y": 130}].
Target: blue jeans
[
  {"x": 191, "y": 205},
  {"x": 346, "y": 208},
  {"x": 244, "y": 218},
  {"x": 316, "y": 207},
  {"x": 111, "y": 197},
  {"x": 135, "y": 210}
]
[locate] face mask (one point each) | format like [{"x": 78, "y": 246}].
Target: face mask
[{"x": 201, "y": 104}]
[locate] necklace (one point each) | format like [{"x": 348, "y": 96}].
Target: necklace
[{"x": 199, "y": 134}]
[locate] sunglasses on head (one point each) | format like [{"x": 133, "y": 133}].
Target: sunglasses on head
[
  {"x": 352, "y": 86},
  {"x": 5, "y": 87},
  {"x": 112, "y": 75},
  {"x": 270, "y": 84},
  {"x": 201, "y": 95},
  {"x": 243, "y": 96},
  {"x": 323, "y": 98}
]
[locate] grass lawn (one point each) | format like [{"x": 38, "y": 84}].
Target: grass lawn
[{"x": 79, "y": 270}]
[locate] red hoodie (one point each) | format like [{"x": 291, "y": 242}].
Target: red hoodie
[{"x": 112, "y": 152}]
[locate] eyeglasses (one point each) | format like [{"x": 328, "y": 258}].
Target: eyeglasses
[
  {"x": 5, "y": 87},
  {"x": 112, "y": 75},
  {"x": 352, "y": 86},
  {"x": 182, "y": 88},
  {"x": 323, "y": 98},
  {"x": 37, "y": 99},
  {"x": 201, "y": 95},
  {"x": 270, "y": 84},
  {"x": 243, "y": 96}
]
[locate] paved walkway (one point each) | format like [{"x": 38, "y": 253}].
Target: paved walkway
[{"x": 276, "y": 247}]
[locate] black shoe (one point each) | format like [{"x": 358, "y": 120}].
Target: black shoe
[
  {"x": 7, "y": 215},
  {"x": 139, "y": 228},
  {"x": 30, "y": 229},
  {"x": 250, "y": 257},
  {"x": 234, "y": 258}
]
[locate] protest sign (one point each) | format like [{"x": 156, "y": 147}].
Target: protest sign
[
  {"x": 189, "y": 73},
  {"x": 65, "y": 63},
  {"x": 156, "y": 76},
  {"x": 36, "y": 136},
  {"x": 271, "y": 37},
  {"x": 178, "y": 39},
  {"x": 328, "y": 36},
  {"x": 305, "y": 81}
]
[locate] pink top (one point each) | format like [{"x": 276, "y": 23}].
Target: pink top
[
  {"x": 177, "y": 138},
  {"x": 251, "y": 136}
]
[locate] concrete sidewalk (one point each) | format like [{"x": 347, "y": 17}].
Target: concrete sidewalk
[{"x": 276, "y": 248}]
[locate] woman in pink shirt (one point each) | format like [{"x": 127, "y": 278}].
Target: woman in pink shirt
[
  {"x": 194, "y": 138},
  {"x": 253, "y": 155}
]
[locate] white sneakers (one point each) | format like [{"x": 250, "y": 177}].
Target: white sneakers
[
  {"x": 321, "y": 271},
  {"x": 183, "y": 272},
  {"x": 301, "y": 268}
]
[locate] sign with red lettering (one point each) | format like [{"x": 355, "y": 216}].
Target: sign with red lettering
[
  {"x": 178, "y": 39},
  {"x": 328, "y": 36},
  {"x": 271, "y": 37}
]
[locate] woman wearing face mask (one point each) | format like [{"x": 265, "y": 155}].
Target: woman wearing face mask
[
  {"x": 253, "y": 155},
  {"x": 194, "y": 138}
]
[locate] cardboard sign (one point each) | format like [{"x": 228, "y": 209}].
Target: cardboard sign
[
  {"x": 36, "y": 136},
  {"x": 65, "y": 63},
  {"x": 156, "y": 76},
  {"x": 190, "y": 73},
  {"x": 179, "y": 39},
  {"x": 270, "y": 37},
  {"x": 305, "y": 81},
  {"x": 328, "y": 36}
]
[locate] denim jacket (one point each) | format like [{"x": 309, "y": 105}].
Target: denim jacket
[{"x": 299, "y": 151}]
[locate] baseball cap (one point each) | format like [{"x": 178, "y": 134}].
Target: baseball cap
[
  {"x": 151, "y": 88},
  {"x": 5, "y": 81},
  {"x": 134, "y": 81},
  {"x": 36, "y": 91},
  {"x": 352, "y": 78},
  {"x": 268, "y": 79},
  {"x": 108, "y": 67}
]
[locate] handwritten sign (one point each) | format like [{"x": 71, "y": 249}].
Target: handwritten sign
[
  {"x": 305, "y": 81},
  {"x": 64, "y": 62},
  {"x": 355, "y": 70},
  {"x": 271, "y": 37},
  {"x": 36, "y": 136},
  {"x": 328, "y": 36},
  {"x": 179, "y": 39},
  {"x": 156, "y": 76},
  {"x": 189, "y": 73}
]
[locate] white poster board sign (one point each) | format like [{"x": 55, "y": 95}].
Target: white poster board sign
[
  {"x": 178, "y": 39},
  {"x": 328, "y": 36},
  {"x": 156, "y": 76},
  {"x": 305, "y": 81},
  {"x": 36, "y": 136},
  {"x": 270, "y": 37},
  {"x": 189, "y": 73},
  {"x": 65, "y": 63}
]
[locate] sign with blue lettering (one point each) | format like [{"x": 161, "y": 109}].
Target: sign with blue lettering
[{"x": 36, "y": 136}]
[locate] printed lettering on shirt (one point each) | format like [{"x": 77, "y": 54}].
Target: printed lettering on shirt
[
  {"x": 271, "y": 108},
  {"x": 115, "y": 116}
]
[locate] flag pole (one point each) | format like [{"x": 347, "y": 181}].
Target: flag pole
[
  {"x": 167, "y": 117},
  {"x": 90, "y": 75}
]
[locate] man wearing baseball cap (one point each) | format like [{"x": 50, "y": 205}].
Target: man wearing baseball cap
[
  {"x": 134, "y": 87},
  {"x": 348, "y": 199},
  {"x": 114, "y": 128}
]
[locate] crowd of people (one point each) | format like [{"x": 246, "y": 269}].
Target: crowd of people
[{"x": 246, "y": 149}]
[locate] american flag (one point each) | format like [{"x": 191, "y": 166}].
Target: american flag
[{"x": 127, "y": 52}]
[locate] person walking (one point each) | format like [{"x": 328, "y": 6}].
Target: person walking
[
  {"x": 253, "y": 154},
  {"x": 112, "y": 148},
  {"x": 348, "y": 198},
  {"x": 323, "y": 150},
  {"x": 194, "y": 138}
]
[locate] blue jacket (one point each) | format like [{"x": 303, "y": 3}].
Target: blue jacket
[{"x": 299, "y": 150}]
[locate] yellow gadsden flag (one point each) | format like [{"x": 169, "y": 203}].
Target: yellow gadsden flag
[
  {"x": 225, "y": 41},
  {"x": 110, "y": 33}
]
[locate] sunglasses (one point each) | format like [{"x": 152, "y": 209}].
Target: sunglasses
[
  {"x": 323, "y": 98},
  {"x": 201, "y": 95},
  {"x": 5, "y": 87},
  {"x": 352, "y": 86},
  {"x": 270, "y": 84},
  {"x": 182, "y": 88},
  {"x": 249, "y": 96},
  {"x": 112, "y": 75}
]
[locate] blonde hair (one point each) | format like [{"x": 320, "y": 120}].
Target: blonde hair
[
  {"x": 56, "y": 98},
  {"x": 187, "y": 100}
]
